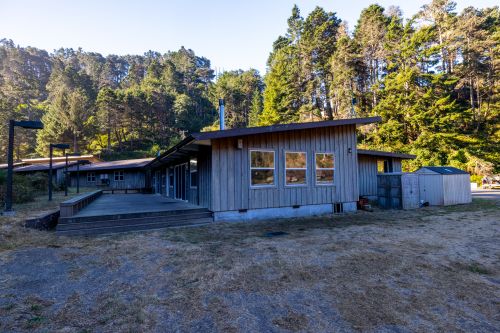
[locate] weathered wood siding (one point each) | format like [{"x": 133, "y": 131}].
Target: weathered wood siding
[
  {"x": 132, "y": 180},
  {"x": 204, "y": 176},
  {"x": 367, "y": 175},
  {"x": 396, "y": 165},
  {"x": 231, "y": 170}
]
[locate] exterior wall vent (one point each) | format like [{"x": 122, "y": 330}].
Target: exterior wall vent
[{"x": 338, "y": 208}]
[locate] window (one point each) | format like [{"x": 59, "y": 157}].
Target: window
[
  {"x": 118, "y": 176},
  {"x": 261, "y": 168},
  {"x": 91, "y": 177},
  {"x": 325, "y": 168},
  {"x": 295, "y": 168},
  {"x": 384, "y": 166},
  {"x": 193, "y": 173},
  {"x": 171, "y": 177}
]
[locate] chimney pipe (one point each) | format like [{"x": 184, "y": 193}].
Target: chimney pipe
[{"x": 221, "y": 114}]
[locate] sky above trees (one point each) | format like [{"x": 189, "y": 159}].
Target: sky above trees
[{"x": 232, "y": 34}]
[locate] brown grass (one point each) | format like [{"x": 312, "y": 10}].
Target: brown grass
[{"x": 427, "y": 270}]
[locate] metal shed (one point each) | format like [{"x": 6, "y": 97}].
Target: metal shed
[{"x": 444, "y": 185}]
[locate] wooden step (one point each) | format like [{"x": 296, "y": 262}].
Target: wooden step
[
  {"x": 133, "y": 227},
  {"x": 95, "y": 218},
  {"x": 74, "y": 225}
]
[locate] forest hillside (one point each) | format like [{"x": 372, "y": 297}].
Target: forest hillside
[{"x": 433, "y": 78}]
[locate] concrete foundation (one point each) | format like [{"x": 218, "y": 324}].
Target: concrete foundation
[{"x": 281, "y": 212}]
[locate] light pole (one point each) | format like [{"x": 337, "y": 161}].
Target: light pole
[
  {"x": 10, "y": 158},
  {"x": 62, "y": 146}
]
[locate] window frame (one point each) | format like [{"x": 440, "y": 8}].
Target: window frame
[
  {"x": 121, "y": 174},
  {"x": 285, "y": 168},
  {"x": 92, "y": 176},
  {"x": 250, "y": 168},
  {"x": 171, "y": 180},
  {"x": 316, "y": 169},
  {"x": 191, "y": 174}
]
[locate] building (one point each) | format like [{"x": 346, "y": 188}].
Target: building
[
  {"x": 121, "y": 175},
  {"x": 265, "y": 172},
  {"x": 372, "y": 163},
  {"x": 57, "y": 170},
  {"x": 444, "y": 185}
]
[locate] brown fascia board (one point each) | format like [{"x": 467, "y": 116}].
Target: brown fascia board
[
  {"x": 235, "y": 132},
  {"x": 386, "y": 154}
]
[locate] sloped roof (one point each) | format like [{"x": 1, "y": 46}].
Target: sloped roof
[
  {"x": 43, "y": 160},
  {"x": 42, "y": 167},
  {"x": 114, "y": 165},
  {"x": 205, "y": 137},
  {"x": 445, "y": 170},
  {"x": 386, "y": 154}
]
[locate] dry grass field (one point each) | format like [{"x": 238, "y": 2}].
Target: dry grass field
[{"x": 429, "y": 270}]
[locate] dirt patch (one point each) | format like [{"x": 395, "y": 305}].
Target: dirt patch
[{"x": 430, "y": 270}]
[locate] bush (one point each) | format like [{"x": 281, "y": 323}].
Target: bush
[
  {"x": 25, "y": 187},
  {"x": 476, "y": 179},
  {"x": 3, "y": 177}
]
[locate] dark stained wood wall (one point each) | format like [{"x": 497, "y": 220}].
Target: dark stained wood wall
[{"x": 230, "y": 169}]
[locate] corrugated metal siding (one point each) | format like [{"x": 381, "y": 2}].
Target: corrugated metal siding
[
  {"x": 456, "y": 189},
  {"x": 230, "y": 169},
  {"x": 431, "y": 188}
]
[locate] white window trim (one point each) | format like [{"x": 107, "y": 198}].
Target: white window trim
[
  {"x": 274, "y": 184},
  {"x": 190, "y": 174},
  {"x": 118, "y": 180},
  {"x": 316, "y": 169},
  {"x": 284, "y": 156},
  {"x": 92, "y": 175}
]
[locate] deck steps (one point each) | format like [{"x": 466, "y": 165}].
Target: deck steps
[{"x": 108, "y": 224}]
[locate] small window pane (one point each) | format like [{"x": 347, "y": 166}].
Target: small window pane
[
  {"x": 262, "y": 177},
  {"x": 324, "y": 161},
  {"x": 381, "y": 166},
  {"x": 295, "y": 160},
  {"x": 324, "y": 176},
  {"x": 193, "y": 165},
  {"x": 262, "y": 159},
  {"x": 295, "y": 177}
]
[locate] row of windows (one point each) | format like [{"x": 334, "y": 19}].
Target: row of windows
[
  {"x": 193, "y": 174},
  {"x": 262, "y": 168},
  {"x": 118, "y": 176}
]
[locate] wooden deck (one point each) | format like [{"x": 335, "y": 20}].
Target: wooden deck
[{"x": 111, "y": 213}]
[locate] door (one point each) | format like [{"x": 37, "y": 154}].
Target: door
[
  {"x": 180, "y": 181},
  {"x": 410, "y": 187}
]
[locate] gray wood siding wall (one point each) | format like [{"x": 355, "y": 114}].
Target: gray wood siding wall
[
  {"x": 230, "y": 169},
  {"x": 204, "y": 176},
  {"x": 367, "y": 175},
  {"x": 131, "y": 180}
]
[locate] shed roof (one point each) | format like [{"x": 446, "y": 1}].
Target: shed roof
[
  {"x": 444, "y": 170},
  {"x": 42, "y": 167},
  {"x": 114, "y": 165},
  {"x": 43, "y": 160},
  {"x": 386, "y": 154},
  {"x": 181, "y": 149}
]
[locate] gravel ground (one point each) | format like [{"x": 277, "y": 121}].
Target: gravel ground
[{"x": 430, "y": 270}]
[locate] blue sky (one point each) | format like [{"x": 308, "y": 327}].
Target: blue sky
[{"x": 232, "y": 34}]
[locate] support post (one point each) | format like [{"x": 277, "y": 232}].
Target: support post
[
  {"x": 10, "y": 168},
  {"x": 78, "y": 176},
  {"x": 66, "y": 177},
  {"x": 50, "y": 172}
]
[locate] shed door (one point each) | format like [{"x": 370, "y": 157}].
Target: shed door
[{"x": 410, "y": 189}]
